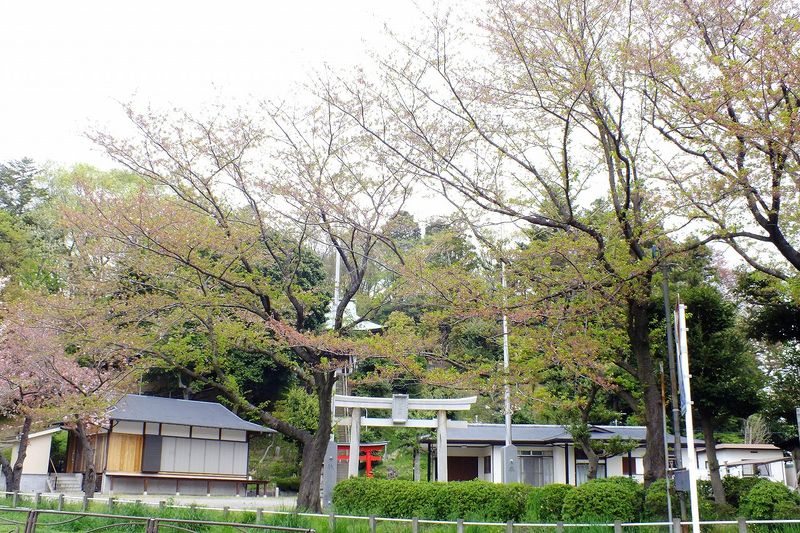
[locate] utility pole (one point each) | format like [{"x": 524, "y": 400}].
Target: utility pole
[
  {"x": 673, "y": 380},
  {"x": 510, "y": 468}
]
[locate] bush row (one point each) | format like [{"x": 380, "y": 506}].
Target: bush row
[
  {"x": 600, "y": 500},
  {"x": 436, "y": 501}
]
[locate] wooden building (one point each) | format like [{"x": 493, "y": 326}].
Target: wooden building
[{"x": 169, "y": 446}]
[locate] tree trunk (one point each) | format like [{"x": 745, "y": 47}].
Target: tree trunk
[
  {"x": 13, "y": 473},
  {"x": 639, "y": 335},
  {"x": 711, "y": 456},
  {"x": 89, "y": 472},
  {"x": 592, "y": 457},
  {"x": 313, "y": 453}
]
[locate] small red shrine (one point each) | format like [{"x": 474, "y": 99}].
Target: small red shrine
[{"x": 369, "y": 453}]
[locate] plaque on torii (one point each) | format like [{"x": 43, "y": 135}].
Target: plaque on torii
[{"x": 400, "y": 405}]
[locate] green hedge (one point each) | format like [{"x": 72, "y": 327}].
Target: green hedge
[
  {"x": 479, "y": 500},
  {"x": 737, "y": 487},
  {"x": 551, "y": 501},
  {"x": 601, "y": 500},
  {"x": 768, "y": 500}
]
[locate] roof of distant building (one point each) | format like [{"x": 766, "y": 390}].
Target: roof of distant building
[
  {"x": 537, "y": 434},
  {"x": 139, "y": 408}
]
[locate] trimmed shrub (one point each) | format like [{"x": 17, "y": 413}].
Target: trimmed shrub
[
  {"x": 479, "y": 500},
  {"x": 601, "y": 500},
  {"x": 533, "y": 511},
  {"x": 551, "y": 503},
  {"x": 769, "y": 500},
  {"x": 737, "y": 487},
  {"x": 655, "y": 500}
]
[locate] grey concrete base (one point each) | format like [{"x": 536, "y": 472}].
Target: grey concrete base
[
  {"x": 511, "y": 464},
  {"x": 33, "y": 483},
  {"x": 329, "y": 474}
]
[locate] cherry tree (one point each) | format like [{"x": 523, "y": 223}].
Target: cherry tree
[{"x": 46, "y": 374}]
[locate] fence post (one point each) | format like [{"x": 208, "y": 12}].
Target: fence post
[
  {"x": 225, "y": 512},
  {"x": 510, "y": 526},
  {"x": 331, "y": 521},
  {"x": 30, "y": 523},
  {"x": 111, "y": 504},
  {"x": 617, "y": 526},
  {"x": 37, "y": 499},
  {"x": 61, "y": 502},
  {"x": 742, "y": 524},
  {"x": 415, "y": 525},
  {"x": 85, "y": 504},
  {"x": 560, "y": 527},
  {"x": 259, "y": 515},
  {"x": 373, "y": 524},
  {"x": 152, "y": 526},
  {"x": 676, "y": 525},
  {"x": 14, "y": 498},
  {"x": 460, "y": 525},
  {"x": 162, "y": 504}
]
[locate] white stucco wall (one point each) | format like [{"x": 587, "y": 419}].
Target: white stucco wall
[{"x": 37, "y": 455}]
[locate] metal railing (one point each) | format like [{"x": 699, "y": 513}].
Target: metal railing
[
  {"x": 112, "y": 521},
  {"x": 676, "y": 526}
]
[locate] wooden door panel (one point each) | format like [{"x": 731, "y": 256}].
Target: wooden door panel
[{"x": 124, "y": 453}]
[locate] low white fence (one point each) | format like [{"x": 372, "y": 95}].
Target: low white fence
[{"x": 676, "y": 526}]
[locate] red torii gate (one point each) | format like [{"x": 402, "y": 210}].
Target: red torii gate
[{"x": 365, "y": 455}]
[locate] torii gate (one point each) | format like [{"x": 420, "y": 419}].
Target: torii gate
[{"x": 400, "y": 404}]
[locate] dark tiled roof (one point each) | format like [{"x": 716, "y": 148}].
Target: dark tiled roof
[
  {"x": 186, "y": 412},
  {"x": 537, "y": 434}
]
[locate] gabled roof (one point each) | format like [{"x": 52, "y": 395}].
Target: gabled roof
[
  {"x": 536, "y": 433},
  {"x": 541, "y": 434},
  {"x": 184, "y": 412}
]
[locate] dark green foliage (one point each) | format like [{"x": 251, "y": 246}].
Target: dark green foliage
[
  {"x": 655, "y": 500},
  {"x": 737, "y": 487},
  {"x": 476, "y": 500},
  {"x": 551, "y": 501},
  {"x": 601, "y": 500},
  {"x": 770, "y": 500}
]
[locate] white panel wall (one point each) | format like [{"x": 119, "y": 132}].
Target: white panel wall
[
  {"x": 128, "y": 426},
  {"x": 212, "y": 456},
  {"x": 239, "y": 458},
  {"x": 182, "y": 450},
  {"x": 201, "y": 456},
  {"x": 234, "y": 434},
  {"x": 205, "y": 433},
  {"x": 173, "y": 430},
  {"x": 168, "y": 454}
]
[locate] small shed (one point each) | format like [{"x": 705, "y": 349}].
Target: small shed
[{"x": 165, "y": 445}]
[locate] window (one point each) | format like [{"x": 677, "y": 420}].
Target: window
[
  {"x": 582, "y": 472},
  {"x": 487, "y": 464},
  {"x": 628, "y": 466},
  {"x": 537, "y": 467}
]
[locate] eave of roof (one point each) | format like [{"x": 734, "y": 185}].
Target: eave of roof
[{"x": 137, "y": 408}]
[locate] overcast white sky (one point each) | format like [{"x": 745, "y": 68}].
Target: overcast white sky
[{"x": 65, "y": 64}]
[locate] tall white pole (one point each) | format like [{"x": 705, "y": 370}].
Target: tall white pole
[
  {"x": 506, "y": 385},
  {"x": 337, "y": 275},
  {"x": 683, "y": 354}
]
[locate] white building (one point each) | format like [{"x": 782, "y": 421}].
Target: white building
[{"x": 547, "y": 454}]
